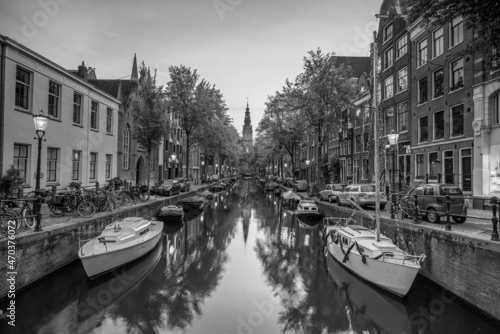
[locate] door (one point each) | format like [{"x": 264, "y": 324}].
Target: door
[
  {"x": 466, "y": 170},
  {"x": 138, "y": 171}
]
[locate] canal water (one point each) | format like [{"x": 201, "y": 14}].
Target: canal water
[{"x": 242, "y": 265}]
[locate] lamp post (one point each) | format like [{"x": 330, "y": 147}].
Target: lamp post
[
  {"x": 307, "y": 164},
  {"x": 174, "y": 158},
  {"x": 41, "y": 122},
  {"x": 393, "y": 142},
  {"x": 203, "y": 172},
  {"x": 284, "y": 176}
]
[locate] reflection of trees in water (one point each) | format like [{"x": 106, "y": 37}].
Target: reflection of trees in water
[{"x": 292, "y": 259}]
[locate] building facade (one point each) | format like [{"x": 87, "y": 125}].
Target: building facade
[{"x": 82, "y": 135}]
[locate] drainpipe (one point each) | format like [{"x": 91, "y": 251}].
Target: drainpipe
[{"x": 2, "y": 103}]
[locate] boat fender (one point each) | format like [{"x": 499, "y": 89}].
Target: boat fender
[
  {"x": 363, "y": 256},
  {"x": 347, "y": 253}
]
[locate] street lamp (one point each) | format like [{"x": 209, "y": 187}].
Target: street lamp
[
  {"x": 393, "y": 142},
  {"x": 284, "y": 176},
  {"x": 202, "y": 171},
  {"x": 307, "y": 164},
  {"x": 174, "y": 158},
  {"x": 41, "y": 123}
]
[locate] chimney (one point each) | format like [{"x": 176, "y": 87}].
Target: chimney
[{"x": 82, "y": 71}]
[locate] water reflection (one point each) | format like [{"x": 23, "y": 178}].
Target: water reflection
[{"x": 244, "y": 234}]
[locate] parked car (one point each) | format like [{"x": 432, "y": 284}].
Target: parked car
[
  {"x": 183, "y": 183},
  {"x": 433, "y": 202},
  {"x": 331, "y": 192},
  {"x": 166, "y": 188},
  {"x": 362, "y": 195},
  {"x": 300, "y": 185}
]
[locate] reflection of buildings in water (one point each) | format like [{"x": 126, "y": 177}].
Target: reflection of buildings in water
[
  {"x": 103, "y": 292},
  {"x": 370, "y": 308}
]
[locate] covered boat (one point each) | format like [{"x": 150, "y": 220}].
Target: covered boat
[
  {"x": 193, "y": 202},
  {"x": 170, "y": 212},
  {"x": 290, "y": 200},
  {"x": 376, "y": 260},
  {"x": 207, "y": 194},
  {"x": 307, "y": 211},
  {"x": 119, "y": 243}
]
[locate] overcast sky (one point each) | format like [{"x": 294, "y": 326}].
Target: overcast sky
[{"x": 247, "y": 48}]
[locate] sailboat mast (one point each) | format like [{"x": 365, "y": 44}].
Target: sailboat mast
[{"x": 376, "y": 138}]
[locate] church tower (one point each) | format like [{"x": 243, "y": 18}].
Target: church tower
[{"x": 247, "y": 131}]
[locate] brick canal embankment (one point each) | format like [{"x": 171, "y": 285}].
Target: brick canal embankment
[
  {"x": 42, "y": 253},
  {"x": 465, "y": 264}
]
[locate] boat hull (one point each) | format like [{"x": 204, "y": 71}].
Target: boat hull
[
  {"x": 97, "y": 265},
  {"x": 309, "y": 218},
  {"x": 392, "y": 277}
]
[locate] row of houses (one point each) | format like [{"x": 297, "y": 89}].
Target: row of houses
[
  {"x": 90, "y": 135},
  {"x": 444, "y": 104}
]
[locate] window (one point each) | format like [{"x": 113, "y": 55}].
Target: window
[
  {"x": 388, "y": 87},
  {"x": 496, "y": 109},
  {"x": 423, "y": 134},
  {"x": 457, "y": 31},
  {"x": 54, "y": 95},
  {"x": 457, "y": 120},
  {"x": 357, "y": 147},
  {"x": 402, "y": 80},
  {"x": 349, "y": 167},
  {"x": 438, "y": 83},
  {"x": 109, "y": 120},
  {"x": 434, "y": 165},
  {"x": 52, "y": 159},
  {"x": 366, "y": 141},
  {"x": 388, "y": 32},
  {"x": 403, "y": 117},
  {"x": 21, "y": 160},
  {"x": 422, "y": 52},
  {"x": 348, "y": 147},
  {"x": 420, "y": 168},
  {"x": 357, "y": 118},
  {"x": 126, "y": 147},
  {"x": 77, "y": 108},
  {"x": 77, "y": 158},
  {"x": 93, "y": 166},
  {"x": 388, "y": 58},
  {"x": 437, "y": 45},
  {"x": 422, "y": 90},
  {"x": 457, "y": 70},
  {"x": 389, "y": 120},
  {"x": 94, "y": 115},
  {"x": 365, "y": 169},
  {"x": 401, "y": 46},
  {"x": 22, "y": 88},
  {"x": 366, "y": 116},
  {"x": 108, "y": 166},
  {"x": 439, "y": 125}
]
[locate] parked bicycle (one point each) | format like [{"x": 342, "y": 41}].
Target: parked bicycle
[
  {"x": 10, "y": 210},
  {"x": 70, "y": 203}
]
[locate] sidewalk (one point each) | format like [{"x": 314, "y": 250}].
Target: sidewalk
[{"x": 48, "y": 220}]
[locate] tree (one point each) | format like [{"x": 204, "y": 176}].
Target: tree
[
  {"x": 148, "y": 107},
  {"x": 482, "y": 16},
  {"x": 322, "y": 92}
]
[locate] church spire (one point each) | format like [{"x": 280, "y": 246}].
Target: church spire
[{"x": 134, "y": 77}]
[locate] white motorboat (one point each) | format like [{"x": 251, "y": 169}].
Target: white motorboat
[
  {"x": 119, "y": 243},
  {"x": 307, "y": 211},
  {"x": 379, "y": 262},
  {"x": 170, "y": 212}
]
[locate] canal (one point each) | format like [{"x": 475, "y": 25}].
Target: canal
[{"x": 242, "y": 265}]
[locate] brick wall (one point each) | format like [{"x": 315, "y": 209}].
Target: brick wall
[
  {"x": 40, "y": 254},
  {"x": 466, "y": 266}
]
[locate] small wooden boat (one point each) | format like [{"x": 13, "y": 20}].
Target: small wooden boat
[
  {"x": 170, "y": 212},
  {"x": 193, "y": 214},
  {"x": 379, "y": 262},
  {"x": 119, "y": 243},
  {"x": 307, "y": 211},
  {"x": 193, "y": 202}
]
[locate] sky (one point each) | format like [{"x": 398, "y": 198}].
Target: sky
[{"x": 247, "y": 48}]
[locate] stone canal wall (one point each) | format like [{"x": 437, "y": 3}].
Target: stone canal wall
[
  {"x": 40, "y": 254},
  {"x": 467, "y": 266}
]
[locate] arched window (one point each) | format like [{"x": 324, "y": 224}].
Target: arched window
[{"x": 126, "y": 147}]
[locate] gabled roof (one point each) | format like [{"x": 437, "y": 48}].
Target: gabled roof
[
  {"x": 111, "y": 86},
  {"x": 358, "y": 64}
]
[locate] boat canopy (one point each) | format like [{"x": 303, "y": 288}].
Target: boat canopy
[{"x": 290, "y": 195}]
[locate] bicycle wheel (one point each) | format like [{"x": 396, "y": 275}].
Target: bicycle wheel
[
  {"x": 29, "y": 218},
  {"x": 117, "y": 199},
  {"x": 86, "y": 209},
  {"x": 143, "y": 196},
  {"x": 126, "y": 200}
]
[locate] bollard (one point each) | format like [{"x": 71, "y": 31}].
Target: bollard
[
  {"x": 448, "y": 208},
  {"x": 20, "y": 192},
  {"x": 97, "y": 185},
  {"x": 112, "y": 184},
  {"x": 494, "y": 220},
  {"x": 37, "y": 208},
  {"x": 54, "y": 191},
  {"x": 415, "y": 214}
]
